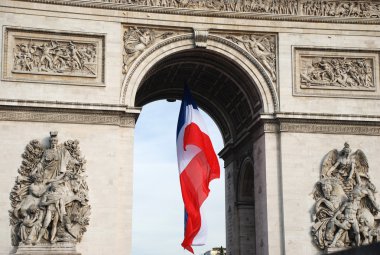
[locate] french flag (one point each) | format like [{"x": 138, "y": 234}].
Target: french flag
[{"x": 198, "y": 165}]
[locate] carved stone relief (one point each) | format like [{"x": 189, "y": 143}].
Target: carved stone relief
[
  {"x": 345, "y": 205},
  {"x": 56, "y": 57},
  {"x": 341, "y": 8},
  {"x": 336, "y": 73},
  {"x": 50, "y": 197},
  {"x": 138, "y": 39},
  {"x": 262, "y": 47},
  {"x": 319, "y": 8}
]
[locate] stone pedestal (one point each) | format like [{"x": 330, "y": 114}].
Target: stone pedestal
[{"x": 62, "y": 248}]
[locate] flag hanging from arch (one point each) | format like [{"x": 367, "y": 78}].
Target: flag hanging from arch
[{"x": 197, "y": 165}]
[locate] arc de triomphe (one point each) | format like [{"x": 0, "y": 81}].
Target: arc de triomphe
[{"x": 293, "y": 86}]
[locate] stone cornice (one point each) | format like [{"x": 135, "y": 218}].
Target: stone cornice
[
  {"x": 322, "y": 123},
  {"x": 261, "y": 15},
  {"x": 66, "y": 112}
]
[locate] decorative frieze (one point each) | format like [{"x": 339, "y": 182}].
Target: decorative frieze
[
  {"x": 122, "y": 120},
  {"x": 321, "y": 123},
  {"x": 291, "y": 8},
  {"x": 368, "y": 9},
  {"x": 263, "y": 47},
  {"x": 138, "y": 39},
  {"x": 326, "y": 72},
  {"x": 330, "y": 128},
  {"x": 46, "y": 56}
]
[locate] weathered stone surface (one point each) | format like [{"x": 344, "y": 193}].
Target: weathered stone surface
[{"x": 244, "y": 61}]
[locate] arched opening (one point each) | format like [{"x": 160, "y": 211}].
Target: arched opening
[
  {"x": 246, "y": 208},
  {"x": 227, "y": 89},
  {"x": 223, "y": 90}
]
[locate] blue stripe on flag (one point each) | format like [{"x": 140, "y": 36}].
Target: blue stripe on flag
[{"x": 186, "y": 100}]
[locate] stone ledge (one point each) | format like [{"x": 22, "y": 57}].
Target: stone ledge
[
  {"x": 321, "y": 123},
  {"x": 48, "y": 249},
  {"x": 72, "y": 116}
]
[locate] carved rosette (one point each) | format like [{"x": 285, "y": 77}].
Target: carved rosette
[
  {"x": 138, "y": 39},
  {"x": 345, "y": 204},
  {"x": 50, "y": 197},
  {"x": 262, "y": 47}
]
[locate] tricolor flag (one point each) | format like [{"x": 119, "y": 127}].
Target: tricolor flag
[{"x": 198, "y": 165}]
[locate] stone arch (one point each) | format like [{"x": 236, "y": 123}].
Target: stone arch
[
  {"x": 245, "y": 185},
  {"x": 242, "y": 91},
  {"x": 217, "y": 44}
]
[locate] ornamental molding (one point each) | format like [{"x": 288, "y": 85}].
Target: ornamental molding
[
  {"x": 331, "y": 128},
  {"x": 328, "y": 72},
  {"x": 121, "y": 119},
  {"x": 329, "y": 11},
  {"x": 323, "y": 124},
  {"x": 58, "y": 57}
]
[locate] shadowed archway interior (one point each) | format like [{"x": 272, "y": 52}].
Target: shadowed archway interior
[{"x": 222, "y": 89}]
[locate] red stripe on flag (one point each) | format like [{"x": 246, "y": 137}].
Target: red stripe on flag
[
  {"x": 194, "y": 136},
  {"x": 194, "y": 186}
]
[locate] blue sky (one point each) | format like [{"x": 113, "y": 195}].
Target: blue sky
[{"x": 157, "y": 206}]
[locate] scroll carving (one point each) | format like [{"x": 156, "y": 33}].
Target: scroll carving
[
  {"x": 200, "y": 38},
  {"x": 260, "y": 46},
  {"x": 337, "y": 72},
  {"x": 50, "y": 197},
  {"x": 345, "y": 204},
  {"x": 137, "y": 40}
]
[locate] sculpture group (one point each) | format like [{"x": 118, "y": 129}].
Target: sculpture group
[
  {"x": 55, "y": 57},
  {"x": 50, "y": 197},
  {"x": 338, "y": 72},
  {"x": 345, "y": 207}
]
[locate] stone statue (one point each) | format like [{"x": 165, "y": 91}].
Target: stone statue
[
  {"x": 345, "y": 206},
  {"x": 50, "y": 196}
]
